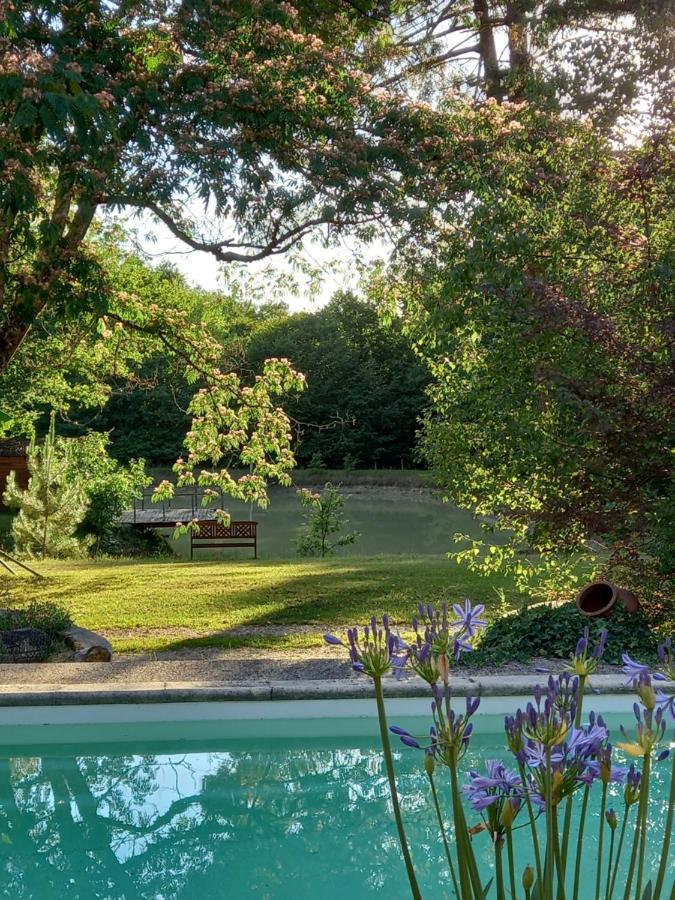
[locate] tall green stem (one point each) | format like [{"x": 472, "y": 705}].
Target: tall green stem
[
  {"x": 499, "y": 866},
  {"x": 667, "y": 834},
  {"x": 473, "y": 887},
  {"x": 601, "y": 838},
  {"x": 570, "y": 800},
  {"x": 512, "y": 865},
  {"x": 643, "y": 832},
  {"x": 644, "y": 793},
  {"x": 558, "y": 858},
  {"x": 441, "y": 826},
  {"x": 389, "y": 764},
  {"x": 582, "y": 823},
  {"x": 609, "y": 864},
  {"x": 533, "y": 825},
  {"x": 626, "y": 813},
  {"x": 548, "y": 894}
]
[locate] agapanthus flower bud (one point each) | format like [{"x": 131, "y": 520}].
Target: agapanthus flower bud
[
  {"x": 443, "y": 667},
  {"x": 612, "y": 821},
  {"x": 528, "y": 877},
  {"x": 429, "y": 763},
  {"x": 631, "y": 793},
  {"x": 332, "y": 639},
  {"x": 509, "y": 812}
]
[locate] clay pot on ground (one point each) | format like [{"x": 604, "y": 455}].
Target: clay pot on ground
[{"x": 599, "y": 598}]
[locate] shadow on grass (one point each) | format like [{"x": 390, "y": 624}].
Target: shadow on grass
[{"x": 218, "y": 600}]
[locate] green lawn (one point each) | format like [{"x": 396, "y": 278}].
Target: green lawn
[{"x": 161, "y": 604}]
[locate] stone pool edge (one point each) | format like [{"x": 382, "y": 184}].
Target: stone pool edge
[{"x": 338, "y": 689}]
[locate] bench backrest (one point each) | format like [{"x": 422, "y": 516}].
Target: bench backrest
[{"x": 213, "y": 534}]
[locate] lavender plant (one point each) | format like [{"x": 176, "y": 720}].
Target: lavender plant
[{"x": 559, "y": 756}]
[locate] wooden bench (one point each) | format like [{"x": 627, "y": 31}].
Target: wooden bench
[{"x": 214, "y": 534}]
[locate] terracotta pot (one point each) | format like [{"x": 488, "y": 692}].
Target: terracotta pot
[{"x": 598, "y": 599}]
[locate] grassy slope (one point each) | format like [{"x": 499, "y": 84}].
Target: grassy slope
[{"x": 205, "y": 599}]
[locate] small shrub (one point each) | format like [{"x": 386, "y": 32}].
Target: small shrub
[
  {"x": 110, "y": 487},
  {"x": 52, "y": 507},
  {"x": 316, "y": 462},
  {"x": 553, "y": 631},
  {"x": 45, "y": 615},
  {"x": 323, "y": 522},
  {"x": 129, "y": 543}
]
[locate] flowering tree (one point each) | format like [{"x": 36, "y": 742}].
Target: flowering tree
[
  {"x": 232, "y": 421},
  {"x": 253, "y": 110}
]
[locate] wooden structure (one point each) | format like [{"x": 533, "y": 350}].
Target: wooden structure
[
  {"x": 214, "y": 534},
  {"x": 13, "y": 459}
]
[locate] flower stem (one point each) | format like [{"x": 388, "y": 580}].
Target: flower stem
[
  {"x": 570, "y": 800},
  {"x": 626, "y": 814},
  {"x": 548, "y": 893},
  {"x": 512, "y": 865},
  {"x": 643, "y": 827},
  {"x": 472, "y": 886},
  {"x": 601, "y": 838},
  {"x": 666, "y": 835},
  {"x": 558, "y": 859},
  {"x": 441, "y": 826},
  {"x": 499, "y": 866},
  {"x": 644, "y": 789},
  {"x": 582, "y": 823},
  {"x": 389, "y": 764},
  {"x": 533, "y": 825},
  {"x": 609, "y": 864}
]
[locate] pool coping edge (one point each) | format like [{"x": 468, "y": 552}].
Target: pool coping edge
[{"x": 345, "y": 689}]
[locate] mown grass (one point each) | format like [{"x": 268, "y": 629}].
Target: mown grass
[{"x": 163, "y": 604}]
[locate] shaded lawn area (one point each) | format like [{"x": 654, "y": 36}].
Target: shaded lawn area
[{"x": 165, "y": 604}]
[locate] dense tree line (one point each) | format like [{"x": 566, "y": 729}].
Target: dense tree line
[
  {"x": 365, "y": 386},
  {"x": 361, "y": 408}
]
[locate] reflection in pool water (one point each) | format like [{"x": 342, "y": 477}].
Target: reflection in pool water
[{"x": 217, "y": 817}]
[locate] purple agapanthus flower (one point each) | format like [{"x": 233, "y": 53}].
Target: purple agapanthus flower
[
  {"x": 585, "y": 741},
  {"x": 666, "y": 702},
  {"x": 461, "y": 646},
  {"x": 468, "y": 617},
  {"x": 615, "y": 774},
  {"x": 497, "y": 785},
  {"x": 535, "y": 755},
  {"x": 632, "y": 668}
]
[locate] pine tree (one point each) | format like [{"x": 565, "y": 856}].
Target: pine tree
[{"x": 52, "y": 506}]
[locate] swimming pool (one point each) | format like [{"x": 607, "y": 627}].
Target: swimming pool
[{"x": 224, "y": 809}]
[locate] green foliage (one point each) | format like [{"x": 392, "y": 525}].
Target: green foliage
[
  {"x": 54, "y": 504},
  {"x": 46, "y": 615},
  {"x": 365, "y": 387},
  {"x": 553, "y": 632},
  {"x": 324, "y": 519},
  {"x": 547, "y": 333},
  {"x": 123, "y": 541},
  {"x": 236, "y": 422},
  {"x": 110, "y": 488}
]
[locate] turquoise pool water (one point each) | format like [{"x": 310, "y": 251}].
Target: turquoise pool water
[{"x": 225, "y": 810}]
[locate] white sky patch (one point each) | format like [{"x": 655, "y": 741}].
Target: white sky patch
[{"x": 304, "y": 279}]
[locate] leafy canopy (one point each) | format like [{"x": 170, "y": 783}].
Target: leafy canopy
[{"x": 542, "y": 304}]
